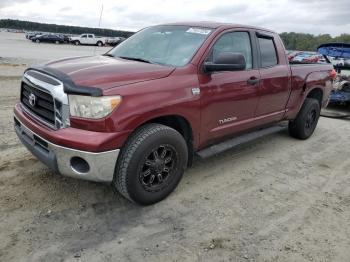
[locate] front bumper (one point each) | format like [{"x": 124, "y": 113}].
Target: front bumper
[{"x": 67, "y": 161}]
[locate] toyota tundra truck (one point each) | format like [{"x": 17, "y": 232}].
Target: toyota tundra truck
[{"x": 136, "y": 116}]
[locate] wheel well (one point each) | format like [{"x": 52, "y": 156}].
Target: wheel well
[
  {"x": 181, "y": 125},
  {"x": 317, "y": 94},
  {"x": 346, "y": 87}
]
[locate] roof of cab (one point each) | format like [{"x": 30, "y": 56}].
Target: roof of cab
[{"x": 216, "y": 25}]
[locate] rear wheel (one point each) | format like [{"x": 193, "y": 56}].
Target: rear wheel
[
  {"x": 306, "y": 121},
  {"x": 150, "y": 164},
  {"x": 76, "y": 42}
]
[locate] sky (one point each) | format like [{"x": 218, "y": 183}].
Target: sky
[{"x": 309, "y": 16}]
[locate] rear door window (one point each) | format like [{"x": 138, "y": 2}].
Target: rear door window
[{"x": 268, "y": 54}]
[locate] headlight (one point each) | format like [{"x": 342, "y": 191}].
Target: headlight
[{"x": 92, "y": 107}]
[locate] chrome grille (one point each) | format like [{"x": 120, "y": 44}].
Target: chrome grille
[
  {"x": 43, "y": 105},
  {"x": 43, "y": 97}
]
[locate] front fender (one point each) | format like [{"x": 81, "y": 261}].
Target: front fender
[{"x": 144, "y": 101}]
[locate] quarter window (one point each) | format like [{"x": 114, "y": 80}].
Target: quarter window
[
  {"x": 235, "y": 42},
  {"x": 268, "y": 55}
]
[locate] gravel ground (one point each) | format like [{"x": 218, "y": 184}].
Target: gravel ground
[{"x": 275, "y": 199}]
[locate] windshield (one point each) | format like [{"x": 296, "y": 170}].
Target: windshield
[{"x": 167, "y": 45}]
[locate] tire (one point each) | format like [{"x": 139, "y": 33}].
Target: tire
[
  {"x": 57, "y": 42},
  {"x": 76, "y": 42},
  {"x": 99, "y": 43},
  {"x": 306, "y": 121},
  {"x": 37, "y": 41},
  {"x": 140, "y": 176}
]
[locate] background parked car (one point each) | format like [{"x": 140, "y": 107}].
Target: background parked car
[
  {"x": 64, "y": 37},
  {"x": 30, "y": 35},
  {"x": 304, "y": 57},
  {"x": 114, "y": 41},
  {"x": 48, "y": 39}
]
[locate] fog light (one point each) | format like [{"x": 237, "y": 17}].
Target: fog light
[{"x": 79, "y": 165}]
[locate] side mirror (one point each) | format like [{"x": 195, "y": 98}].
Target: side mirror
[{"x": 226, "y": 61}]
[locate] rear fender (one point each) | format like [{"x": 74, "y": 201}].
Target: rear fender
[{"x": 314, "y": 80}]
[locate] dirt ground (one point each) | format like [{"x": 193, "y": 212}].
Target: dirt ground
[{"x": 275, "y": 199}]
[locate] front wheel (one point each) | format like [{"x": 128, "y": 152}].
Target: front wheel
[
  {"x": 151, "y": 164},
  {"x": 99, "y": 43},
  {"x": 38, "y": 41},
  {"x": 306, "y": 121}
]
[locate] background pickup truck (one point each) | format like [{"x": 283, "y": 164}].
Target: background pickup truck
[
  {"x": 136, "y": 116},
  {"x": 87, "y": 39}
]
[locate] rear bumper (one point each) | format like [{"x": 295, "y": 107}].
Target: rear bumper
[{"x": 67, "y": 161}]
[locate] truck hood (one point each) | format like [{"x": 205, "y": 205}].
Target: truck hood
[{"x": 106, "y": 72}]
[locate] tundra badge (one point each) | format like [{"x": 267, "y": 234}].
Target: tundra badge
[
  {"x": 228, "y": 119},
  {"x": 196, "y": 91}
]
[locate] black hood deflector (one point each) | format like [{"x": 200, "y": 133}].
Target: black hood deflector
[{"x": 69, "y": 87}]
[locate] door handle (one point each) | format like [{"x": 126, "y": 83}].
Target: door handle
[{"x": 253, "y": 81}]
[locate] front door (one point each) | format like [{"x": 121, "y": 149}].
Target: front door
[{"x": 229, "y": 99}]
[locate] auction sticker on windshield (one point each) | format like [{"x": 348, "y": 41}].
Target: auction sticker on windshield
[{"x": 201, "y": 31}]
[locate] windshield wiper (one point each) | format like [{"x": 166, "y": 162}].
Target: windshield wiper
[
  {"x": 107, "y": 54},
  {"x": 136, "y": 59}
]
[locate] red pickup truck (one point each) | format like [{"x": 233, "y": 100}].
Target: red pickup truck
[{"x": 136, "y": 116}]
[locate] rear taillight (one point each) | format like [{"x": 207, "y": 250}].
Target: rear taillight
[{"x": 333, "y": 74}]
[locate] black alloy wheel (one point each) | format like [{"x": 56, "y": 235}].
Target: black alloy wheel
[
  {"x": 151, "y": 164},
  {"x": 158, "y": 167},
  {"x": 303, "y": 126}
]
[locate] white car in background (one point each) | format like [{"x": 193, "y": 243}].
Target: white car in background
[{"x": 88, "y": 39}]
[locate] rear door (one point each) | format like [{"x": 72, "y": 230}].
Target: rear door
[
  {"x": 91, "y": 39},
  {"x": 275, "y": 78},
  {"x": 54, "y": 38},
  {"x": 229, "y": 99}
]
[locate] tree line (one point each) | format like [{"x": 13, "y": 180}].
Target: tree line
[
  {"x": 309, "y": 42},
  {"x": 292, "y": 41},
  {"x": 64, "y": 29}
]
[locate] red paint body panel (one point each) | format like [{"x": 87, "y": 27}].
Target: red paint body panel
[
  {"x": 224, "y": 95},
  {"x": 274, "y": 91},
  {"x": 305, "y": 78},
  {"x": 107, "y": 72},
  {"x": 162, "y": 97},
  {"x": 149, "y": 91}
]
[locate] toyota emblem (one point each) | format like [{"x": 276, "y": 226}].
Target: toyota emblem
[{"x": 32, "y": 99}]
